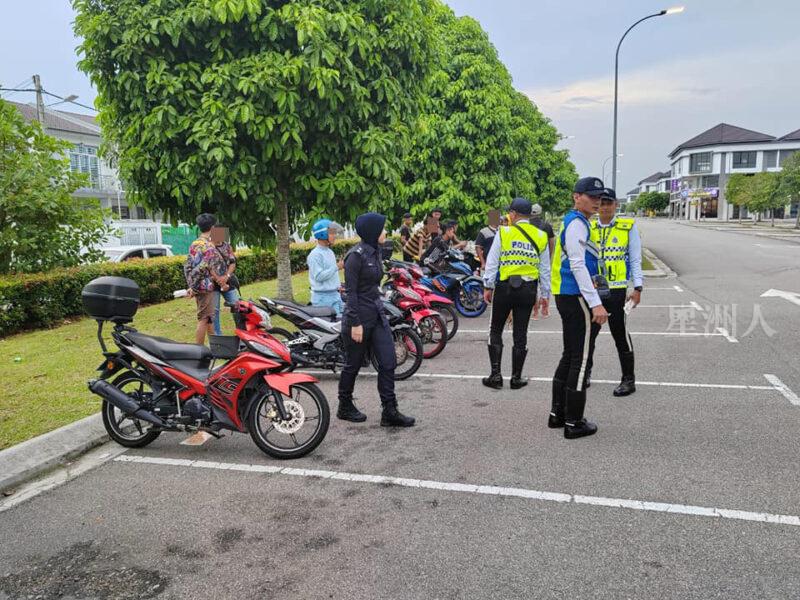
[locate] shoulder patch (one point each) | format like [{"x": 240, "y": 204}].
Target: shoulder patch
[{"x": 624, "y": 224}]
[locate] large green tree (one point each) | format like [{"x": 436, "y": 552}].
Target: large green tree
[
  {"x": 654, "y": 201},
  {"x": 737, "y": 191},
  {"x": 42, "y": 225},
  {"x": 479, "y": 142},
  {"x": 789, "y": 182},
  {"x": 258, "y": 110}
]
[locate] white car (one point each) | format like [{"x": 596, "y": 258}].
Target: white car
[{"x": 122, "y": 253}]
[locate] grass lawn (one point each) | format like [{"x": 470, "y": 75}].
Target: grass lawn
[
  {"x": 646, "y": 264},
  {"x": 44, "y": 373}
]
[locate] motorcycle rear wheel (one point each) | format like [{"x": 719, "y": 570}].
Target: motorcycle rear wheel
[
  {"x": 450, "y": 317},
  {"x": 408, "y": 350},
  {"x": 123, "y": 429},
  {"x": 261, "y": 421},
  {"x": 433, "y": 335}
]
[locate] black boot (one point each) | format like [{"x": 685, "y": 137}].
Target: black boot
[
  {"x": 556, "y": 419},
  {"x": 628, "y": 384},
  {"x": 495, "y": 380},
  {"x": 517, "y": 362},
  {"x": 391, "y": 417},
  {"x": 348, "y": 412},
  {"x": 575, "y": 426}
]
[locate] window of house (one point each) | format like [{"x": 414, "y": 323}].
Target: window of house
[
  {"x": 744, "y": 160},
  {"x": 83, "y": 159},
  {"x": 700, "y": 162},
  {"x": 124, "y": 212},
  {"x": 141, "y": 213},
  {"x": 709, "y": 181},
  {"x": 770, "y": 159},
  {"x": 785, "y": 154}
]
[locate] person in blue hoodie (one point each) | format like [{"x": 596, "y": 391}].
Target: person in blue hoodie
[
  {"x": 364, "y": 325},
  {"x": 323, "y": 269}
]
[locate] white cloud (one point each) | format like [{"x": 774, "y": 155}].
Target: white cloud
[{"x": 667, "y": 103}]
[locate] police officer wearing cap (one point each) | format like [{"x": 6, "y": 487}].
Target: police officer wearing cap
[
  {"x": 620, "y": 263},
  {"x": 517, "y": 267},
  {"x": 577, "y": 288}
]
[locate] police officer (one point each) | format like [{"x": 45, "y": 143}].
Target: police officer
[
  {"x": 620, "y": 262},
  {"x": 517, "y": 264},
  {"x": 364, "y": 325},
  {"x": 574, "y": 277}
]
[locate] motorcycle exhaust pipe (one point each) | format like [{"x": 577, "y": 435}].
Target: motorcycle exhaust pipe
[{"x": 123, "y": 402}]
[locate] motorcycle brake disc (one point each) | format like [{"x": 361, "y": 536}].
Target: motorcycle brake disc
[{"x": 297, "y": 418}]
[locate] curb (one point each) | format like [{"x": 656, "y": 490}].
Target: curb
[
  {"x": 661, "y": 269},
  {"x": 45, "y": 452}
]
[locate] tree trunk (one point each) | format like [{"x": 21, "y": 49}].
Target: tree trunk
[
  {"x": 282, "y": 255},
  {"x": 772, "y": 216}
]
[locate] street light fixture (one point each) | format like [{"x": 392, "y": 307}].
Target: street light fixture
[
  {"x": 667, "y": 11},
  {"x": 605, "y": 162}
]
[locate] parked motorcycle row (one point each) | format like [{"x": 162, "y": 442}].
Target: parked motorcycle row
[{"x": 249, "y": 382}]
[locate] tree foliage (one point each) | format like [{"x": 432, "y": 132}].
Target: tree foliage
[
  {"x": 652, "y": 201},
  {"x": 479, "y": 142},
  {"x": 789, "y": 182},
  {"x": 758, "y": 192},
  {"x": 41, "y": 225},
  {"x": 257, "y": 110}
]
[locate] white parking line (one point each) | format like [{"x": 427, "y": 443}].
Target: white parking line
[
  {"x": 716, "y": 386},
  {"x": 782, "y": 388},
  {"x": 727, "y": 336},
  {"x": 678, "y": 288},
  {"x": 489, "y": 490},
  {"x": 633, "y": 333},
  {"x": 696, "y": 306}
]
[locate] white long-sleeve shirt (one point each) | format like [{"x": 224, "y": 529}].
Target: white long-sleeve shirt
[
  {"x": 575, "y": 239},
  {"x": 493, "y": 265},
  {"x": 634, "y": 252}
]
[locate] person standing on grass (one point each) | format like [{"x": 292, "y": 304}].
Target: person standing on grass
[
  {"x": 405, "y": 235},
  {"x": 228, "y": 282},
  {"x": 323, "y": 269},
  {"x": 203, "y": 263}
]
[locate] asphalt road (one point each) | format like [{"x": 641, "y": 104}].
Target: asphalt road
[{"x": 689, "y": 489}]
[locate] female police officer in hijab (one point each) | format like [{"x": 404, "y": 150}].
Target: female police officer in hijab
[{"x": 365, "y": 326}]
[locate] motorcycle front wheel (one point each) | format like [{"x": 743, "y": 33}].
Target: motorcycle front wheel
[
  {"x": 469, "y": 301},
  {"x": 450, "y": 316},
  {"x": 309, "y": 418},
  {"x": 433, "y": 333},
  {"x": 408, "y": 351}
]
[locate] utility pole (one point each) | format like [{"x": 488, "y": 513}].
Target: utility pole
[{"x": 37, "y": 84}]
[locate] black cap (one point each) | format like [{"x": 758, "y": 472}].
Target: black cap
[
  {"x": 407, "y": 216},
  {"x": 521, "y": 206},
  {"x": 591, "y": 186},
  {"x": 609, "y": 194}
]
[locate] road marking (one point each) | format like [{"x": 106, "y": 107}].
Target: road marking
[
  {"x": 62, "y": 475},
  {"x": 727, "y": 336},
  {"x": 716, "y": 386},
  {"x": 789, "y": 246},
  {"x": 782, "y": 388},
  {"x": 666, "y": 333},
  {"x": 678, "y": 288},
  {"x": 478, "y": 489},
  {"x": 662, "y": 289},
  {"x": 696, "y": 306},
  {"x": 792, "y": 297}
]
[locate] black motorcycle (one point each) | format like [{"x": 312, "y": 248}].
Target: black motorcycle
[{"x": 318, "y": 342}]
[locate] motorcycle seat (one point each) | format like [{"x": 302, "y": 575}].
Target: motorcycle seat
[
  {"x": 170, "y": 350},
  {"x": 326, "y": 312}
]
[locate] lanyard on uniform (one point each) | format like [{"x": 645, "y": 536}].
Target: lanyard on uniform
[{"x": 604, "y": 233}]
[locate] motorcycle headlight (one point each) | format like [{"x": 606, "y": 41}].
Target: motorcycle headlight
[{"x": 263, "y": 349}]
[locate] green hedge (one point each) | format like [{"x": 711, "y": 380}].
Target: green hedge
[{"x": 45, "y": 299}]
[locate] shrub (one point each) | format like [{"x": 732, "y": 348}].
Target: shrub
[{"x": 45, "y": 299}]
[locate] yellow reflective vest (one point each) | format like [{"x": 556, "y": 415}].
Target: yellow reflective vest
[
  {"x": 613, "y": 244},
  {"x": 517, "y": 255}
]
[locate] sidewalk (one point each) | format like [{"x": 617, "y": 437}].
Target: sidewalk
[{"x": 783, "y": 230}]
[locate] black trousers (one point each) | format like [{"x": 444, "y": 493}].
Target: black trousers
[
  {"x": 378, "y": 341},
  {"x": 578, "y": 332},
  {"x": 618, "y": 324},
  {"x": 516, "y": 301}
]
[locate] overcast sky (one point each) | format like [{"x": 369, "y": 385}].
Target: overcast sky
[{"x": 732, "y": 61}]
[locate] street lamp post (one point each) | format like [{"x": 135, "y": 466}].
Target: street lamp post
[{"x": 668, "y": 11}]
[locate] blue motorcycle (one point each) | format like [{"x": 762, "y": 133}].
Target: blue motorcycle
[{"x": 459, "y": 283}]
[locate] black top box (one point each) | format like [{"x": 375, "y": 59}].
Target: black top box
[{"x": 113, "y": 299}]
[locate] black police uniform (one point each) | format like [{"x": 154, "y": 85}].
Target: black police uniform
[{"x": 363, "y": 272}]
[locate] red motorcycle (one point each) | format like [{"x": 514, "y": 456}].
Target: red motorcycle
[
  {"x": 427, "y": 322},
  {"x": 402, "y": 275},
  {"x": 152, "y": 384}
]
